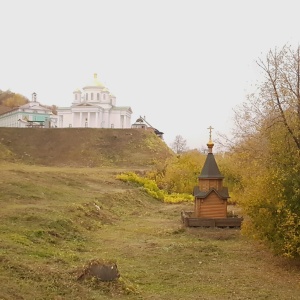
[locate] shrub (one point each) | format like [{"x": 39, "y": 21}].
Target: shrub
[{"x": 151, "y": 188}]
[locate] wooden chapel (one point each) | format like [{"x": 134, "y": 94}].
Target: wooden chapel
[{"x": 210, "y": 197}]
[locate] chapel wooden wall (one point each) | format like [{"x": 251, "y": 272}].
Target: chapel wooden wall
[
  {"x": 210, "y": 207},
  {"x": 207, "y": 184}
]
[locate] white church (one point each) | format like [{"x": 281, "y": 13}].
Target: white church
[{"x": 94, "y": 107}]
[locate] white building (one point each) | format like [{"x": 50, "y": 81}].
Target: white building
[
  {"x": 94, "y": 107},
  {"x": 31, "y": 114}
]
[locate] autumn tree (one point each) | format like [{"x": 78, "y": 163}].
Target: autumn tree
[
  {"x": 11, "y": 99},
  {"x": 267, "y": 153},
  {"x": 52, "y": 107},
  {"x": 4, "y": 95},
  {"x": 232, "y": 177},
  {"x": 180, "y": 172},
  {"x": 179, "y": 144}
]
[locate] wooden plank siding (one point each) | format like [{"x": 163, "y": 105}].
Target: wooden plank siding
[
  {"x": 207, "y": 184},
  {"x": 211, "y": 207}
]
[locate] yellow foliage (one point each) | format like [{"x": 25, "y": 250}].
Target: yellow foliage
[
  {"x": 151, "y": 188},
  {"x": 268, "y": 166},
  {"x": 15, "y": 100},
  {"x": 179, "y": 174}
]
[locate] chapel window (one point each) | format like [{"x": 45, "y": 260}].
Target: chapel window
[
  {"x": 103, "y": 96},
  {"x": 92, "y": 96},
  {"x": 98, "y": 96},
  {"x": 86, "y": 96}
]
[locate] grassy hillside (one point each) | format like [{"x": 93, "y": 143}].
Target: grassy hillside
[
  {"x": 55, "y": 219},
  {"x": 82, "y": 147}
]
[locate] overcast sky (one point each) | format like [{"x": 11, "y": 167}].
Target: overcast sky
[{"x": 183, "y": 64}]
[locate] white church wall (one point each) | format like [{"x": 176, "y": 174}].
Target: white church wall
[
  {"x": 66, "y": 119},
  {"x": 76, "y": 120},
  {"x": 115, "y": 120}
]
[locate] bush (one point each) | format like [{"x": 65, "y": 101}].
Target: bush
[{"x": 151, "y": 188}]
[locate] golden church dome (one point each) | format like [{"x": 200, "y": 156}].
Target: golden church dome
[{"x": 95, "y": 83}]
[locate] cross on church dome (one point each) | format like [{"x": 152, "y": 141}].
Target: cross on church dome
[{"x": 210, "y": 143}]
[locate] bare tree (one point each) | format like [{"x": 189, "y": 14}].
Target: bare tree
[
  {"x": 276, "y": 101},
  {"x": 179, "y": 144}
]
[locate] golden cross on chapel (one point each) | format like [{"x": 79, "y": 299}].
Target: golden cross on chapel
[{"x": 210, "y": 130}]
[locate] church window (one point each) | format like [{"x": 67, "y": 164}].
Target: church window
[
  {"x": 86, "y": 96},
  {"x": 75, "y": 96},
  {"x": 92, "y": 96},
  {"x": 98, "y": 96},
  {"x": 103, "y": 96}
]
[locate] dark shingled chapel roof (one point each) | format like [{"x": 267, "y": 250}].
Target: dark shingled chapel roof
[
  {"x": 210, "y": 168},
  {"x": 222, "y": 193}
]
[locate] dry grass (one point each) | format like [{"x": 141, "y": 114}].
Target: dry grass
[
  {"x": 61, "y": 207},
  {"x": 83, "y": 147},
  {"x": 51, "y": 227}
]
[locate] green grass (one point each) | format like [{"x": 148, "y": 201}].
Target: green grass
[{"x": 51, "y": 227}]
